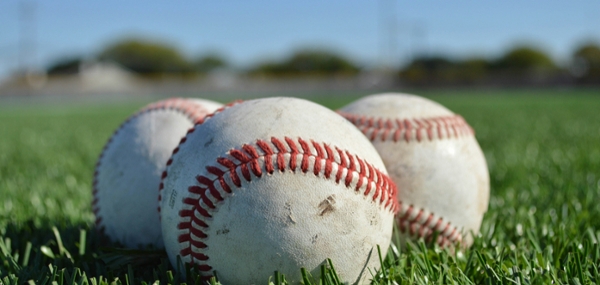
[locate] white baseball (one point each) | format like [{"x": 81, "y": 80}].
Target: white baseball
[
  {"x": 435, "y": 160},
  {"x": 129, "y": 169},
  {"x": 276, "y": 184}
]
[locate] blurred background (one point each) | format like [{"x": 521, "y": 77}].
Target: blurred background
[{"x": 189, "y": 48}]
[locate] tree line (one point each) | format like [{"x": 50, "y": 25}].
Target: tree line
[{"x": 521, "y": 63}]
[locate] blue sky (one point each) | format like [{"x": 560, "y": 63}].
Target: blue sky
[{"x": 249, "y": 31}]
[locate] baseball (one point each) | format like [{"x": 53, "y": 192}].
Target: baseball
[
  {"x": 435, "y": 160},
  {"x": 128, "y": 171},
  {"x": 276, "y": 184}
]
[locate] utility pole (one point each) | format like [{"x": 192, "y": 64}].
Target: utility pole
[
  {"x": 393, "y": 36},
  {"x": 27, "y": 46},
  {"x": 27, "y": 49},
  {"x": 387, "y": 34}
]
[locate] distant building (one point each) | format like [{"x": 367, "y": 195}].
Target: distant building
[
  {"x": 85, "y": 77},
  {"x": 98, "y": 76}
]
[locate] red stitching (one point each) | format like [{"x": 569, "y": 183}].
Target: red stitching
[
  {"x": 204, "y": 118},
  {"x": 194, "y": 112},
  {"x": 258, "y": 155},
  {"x": 418, "y": 129},
  {"x": 412, "y": 223}
]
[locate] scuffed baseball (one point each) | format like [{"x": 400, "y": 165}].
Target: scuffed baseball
[
  {"x": 276, "y": 184},
  {"x": 435, "y": 160},
  {"x": 129, "y": 169}
]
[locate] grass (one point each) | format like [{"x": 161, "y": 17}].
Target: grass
[{"x": 542, "y": 227}]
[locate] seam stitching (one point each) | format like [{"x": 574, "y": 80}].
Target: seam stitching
[
  {"x": 182, "y": 141},
  {"x": 194, "y": 112},
  {"x": 416, "y": 222},
  {"x": 410, "y": 129},
  {"x": 252, "y": 161}
]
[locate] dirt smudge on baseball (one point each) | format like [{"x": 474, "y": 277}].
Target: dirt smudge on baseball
[
  {"x": 209, "y": 142},
  {"x": 223, "y": 231},
  {"x": 290, "y": 215},
  {"x": 327, "y": 205}
]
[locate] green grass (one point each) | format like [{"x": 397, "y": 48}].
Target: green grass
[{"x": 542, "y": 227}]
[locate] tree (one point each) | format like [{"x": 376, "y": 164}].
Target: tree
[
  {"x": 442, "y": 70},
  {"x": 524, "y": 60},
  {"x": 210, "y": 62},
  {"x": 64, "y": 66},
  {"x": 308, "y": 62},
  {"x": 474, "y": 69},
  {"x": 586, "y": 63},
  {"x": 146, "y": 57},
  {"x": 320, "y": 61},
  {"x": 424, "y": 70}
]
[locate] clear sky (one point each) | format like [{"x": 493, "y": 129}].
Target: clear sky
[{"x": 369, "y": 32}]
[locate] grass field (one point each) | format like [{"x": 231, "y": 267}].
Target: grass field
[{"x": 542, "y": 227}]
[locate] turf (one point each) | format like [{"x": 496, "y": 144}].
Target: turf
[{"x": 542, "y": 227}]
